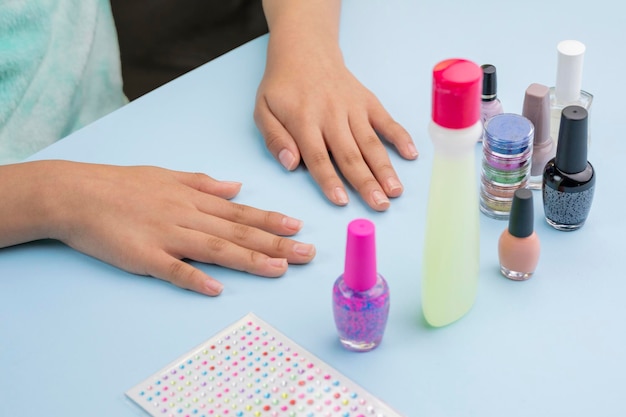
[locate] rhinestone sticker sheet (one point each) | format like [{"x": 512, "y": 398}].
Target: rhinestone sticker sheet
[{"x": 251, "y": 369}]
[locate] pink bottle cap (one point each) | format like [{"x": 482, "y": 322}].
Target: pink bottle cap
[
  {"x": 457, "y": 89},
  {"x": 360, "y": 270}
]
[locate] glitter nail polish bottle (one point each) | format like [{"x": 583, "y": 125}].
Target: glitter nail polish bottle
[
  {"x": 518, "y": 246},
  {"x": 569, "y": 179},
  {"x": 490, "y": 104},
  {"x": 360, "y": 294}
]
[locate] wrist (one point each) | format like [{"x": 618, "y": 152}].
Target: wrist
[{"x": 31, "y": 196}]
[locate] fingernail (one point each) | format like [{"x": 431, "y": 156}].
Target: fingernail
[
  {"x": 287, "y": 159},
  {"x": 291, "y": 223},
  {"x": 412, "y": 150},
  {"x": 277, "y": 262},
  {"x": 393, "y": 185},
  {"x": 214, "y": 287},
  {"x": 380, "y": 198},
  {"x": 341, "y": 196},
  {"x": 304, "y": 249}
]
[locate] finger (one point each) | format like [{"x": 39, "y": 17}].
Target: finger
[
  {"x": 216, "y": 235},
  {"x": 208, "y": 185},
  {"x": 376, "y": 157},
  {"x": 270, "y": 221},
  {"x": 392, "y": 131},
  {"x": 212, "y": 204},
  {"x": 351, "y": 163},
  {"x": 277, "y": 139},
  {"x": 307, "y": 145},
  {"x": 315, "y": 154},
  {"x": 183, "y": 275},
  {"x": 212, "y": 249}
]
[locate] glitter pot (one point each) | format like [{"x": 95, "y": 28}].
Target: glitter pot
[
  {"x": 511, "y": 178},
  {"x": 507, "y": 153}
]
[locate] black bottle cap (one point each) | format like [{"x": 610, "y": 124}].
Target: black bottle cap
[
  {"x": 521, "y": 217},
  {"x": 571, "y": 149},
  {"x": 490, "y": 85}
]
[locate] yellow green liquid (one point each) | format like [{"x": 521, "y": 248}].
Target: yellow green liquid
[{"x": 452, "y": 240}]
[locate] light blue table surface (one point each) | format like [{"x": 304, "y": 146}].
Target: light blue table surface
[{"x": 76, "y": 333}]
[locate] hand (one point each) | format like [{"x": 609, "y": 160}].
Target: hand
[
  {"x": 310, "y": 106},
  {"x": 146, "y": 220}
]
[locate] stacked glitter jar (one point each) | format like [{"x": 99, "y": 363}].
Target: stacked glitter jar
[{"x": 507, "y": 152}]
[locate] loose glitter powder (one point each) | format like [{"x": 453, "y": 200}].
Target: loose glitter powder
[
  {"x": 507, "y": 153},
  {"x": 251, "y": 369}
]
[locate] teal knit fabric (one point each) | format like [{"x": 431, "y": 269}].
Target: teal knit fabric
[{"x": 59, "y": 70}]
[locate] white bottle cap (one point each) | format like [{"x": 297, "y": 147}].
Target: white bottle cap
[{"x": 569, "y": 71}]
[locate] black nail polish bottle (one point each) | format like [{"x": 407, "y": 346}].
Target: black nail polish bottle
[{"x": 568, "y": 178}]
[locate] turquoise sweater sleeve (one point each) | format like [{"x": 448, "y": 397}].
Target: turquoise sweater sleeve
[{"x": 59, "y": 70}]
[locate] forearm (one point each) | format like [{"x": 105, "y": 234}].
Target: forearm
[
  {"x": 298, "y": 16},
  {"x": 303, "y": 25}
]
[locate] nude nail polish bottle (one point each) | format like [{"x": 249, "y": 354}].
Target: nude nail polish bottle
[
  {"x": 360, "y": 294},
  {"x": 536, "y": 108},
  {"x": 569, "y": 179},
  {"x": 518, "y": 247}
]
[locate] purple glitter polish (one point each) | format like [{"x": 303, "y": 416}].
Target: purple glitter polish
[
  {"x": 361, "y": 295},
  {"x": 361, "y": 317}
]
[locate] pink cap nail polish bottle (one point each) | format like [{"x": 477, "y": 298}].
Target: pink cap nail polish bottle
[
  {"x": 360, "y": 294},
  {"x": 490, "y": 104}
]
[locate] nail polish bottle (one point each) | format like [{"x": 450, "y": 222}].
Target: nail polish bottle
[
  {"x": 567, "y": 90},
  {"x": 451, "y": 254},
  {"x": 360, "y": 294},
  {"x": 569, "y": 179},
  {"x": 490, "y": 104},
  {"x": 536, "y": 108},
  {"x": 518, "y": 247}
]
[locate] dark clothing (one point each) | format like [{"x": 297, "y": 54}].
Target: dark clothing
[{"x": 163, "y": 39}]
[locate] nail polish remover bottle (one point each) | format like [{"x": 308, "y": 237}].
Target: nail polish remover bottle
[
  {"x": 361, "y": 294},
  {"x": 451, "y": 246}
]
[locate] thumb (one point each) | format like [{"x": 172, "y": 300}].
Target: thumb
[{"x": 277, "y": 139}]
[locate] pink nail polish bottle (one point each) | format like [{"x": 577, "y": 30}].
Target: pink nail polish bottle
[
  {"x": 518, "y": 247},
  {"x": 361, "y": 294},
  {"x": 490, "y": 104}
]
